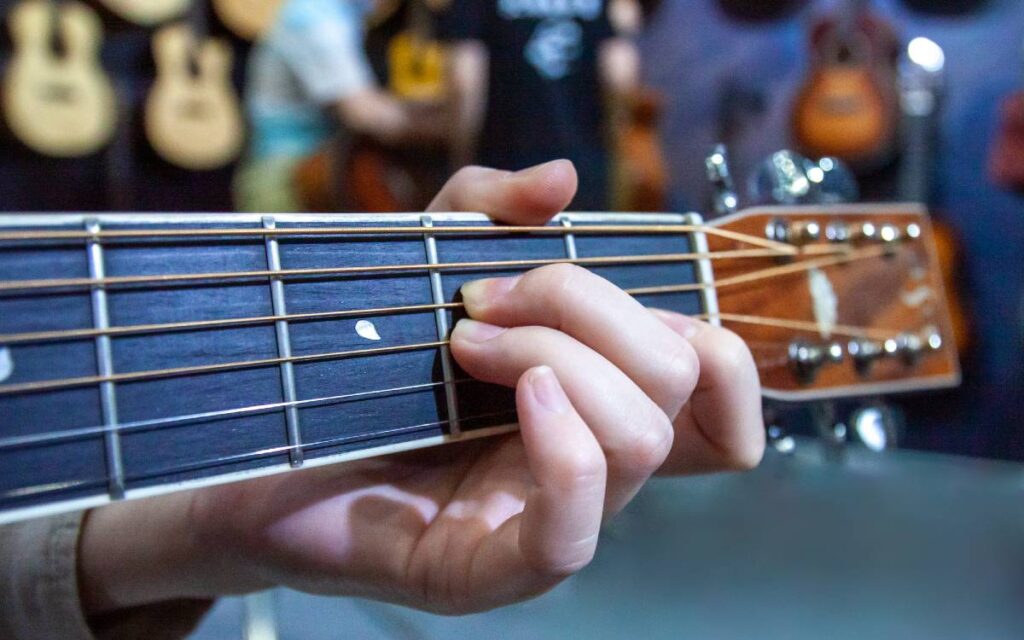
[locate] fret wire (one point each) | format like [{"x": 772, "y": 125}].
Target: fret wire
[
  {"x": 570, "y": 240},
  {"x": 284, "y": 345},
  {"x": 105, "y": 365},
  {"x": 138, "y": 376},
  {"x": 441, "y": 319},
  {"x": 64, "y": 283},
  {"x": 621, "y": 229},
  {"x": 157, "y": 424}
]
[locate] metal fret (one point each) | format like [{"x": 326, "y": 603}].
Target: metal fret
[
  {"x": 706, "y": 277},
  {"x": 570, "y": 240},
  {"x": 105, "y": 365},
  {"x": 441, "y": 317},
  {"x": 284, "y": 348}
]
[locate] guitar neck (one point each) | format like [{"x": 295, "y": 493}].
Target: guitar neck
[{"x": 152, "y": 353}]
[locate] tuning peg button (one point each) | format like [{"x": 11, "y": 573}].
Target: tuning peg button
[
  {"x": 807, "y": 359},
  {"x": 864, "y": 352}
]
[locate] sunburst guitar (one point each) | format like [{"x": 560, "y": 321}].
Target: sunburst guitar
[
  {"x": 193, "y": 117},
  {"x": 248, "y": 19},
  {"x": 147, "y": 13},
  {"x": 56, "y": 98}
]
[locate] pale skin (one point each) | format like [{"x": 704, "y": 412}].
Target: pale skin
[{"x": 608, "y": 394}]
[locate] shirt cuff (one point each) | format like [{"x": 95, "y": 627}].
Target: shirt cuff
[{"x": 39, "y": 591}]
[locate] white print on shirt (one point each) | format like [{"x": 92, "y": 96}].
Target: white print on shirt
[
  {"x": 6, "y": 363},
  {"x": 554, "y": 47},
  {"x": 583, "y": 9}
]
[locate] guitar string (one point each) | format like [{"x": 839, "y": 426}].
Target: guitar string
[
  {"x": 156, "y": 424},
  {"x": 25, "y": 286},
  {"x": 78, "y": 334},
  {"x": 638, "y": 229},
  {"x": 24, "y": 492},
  {"x": 137, "y": 376},
  {"x": 155, "y": 374}
]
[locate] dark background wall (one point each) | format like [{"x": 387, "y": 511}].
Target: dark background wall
[{"x": 708, "y": 64}]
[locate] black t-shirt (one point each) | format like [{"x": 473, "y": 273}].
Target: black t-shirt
[{"x": 544, "y": 95}]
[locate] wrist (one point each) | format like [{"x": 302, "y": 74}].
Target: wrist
[{"x": 132, "y": 554}]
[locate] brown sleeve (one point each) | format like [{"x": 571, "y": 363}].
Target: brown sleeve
[{"x": 39, "y": 591}]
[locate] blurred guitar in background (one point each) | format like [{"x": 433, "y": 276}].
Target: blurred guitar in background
[
  {"x": 57, "y": 100},
  {"x": 193, "y": 116},
  {"x": 922, "y": 81},
  {"x": 147, "y": 13},
  {"x": 848, "y": 106},
  {"x": 247, "y": 19},
  {"x": 362, "y": 173}
]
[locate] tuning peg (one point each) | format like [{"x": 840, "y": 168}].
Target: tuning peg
[
  {"x": 719, "y": 174},
  {"x": 780, "y": 440},
  {"x": 806, "y": 359},
  {"x": 781, "y": 179},
  {"x": 864, "y": 352}
]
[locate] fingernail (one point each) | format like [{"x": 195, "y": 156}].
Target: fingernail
[
  {"x": 480, "y": 293},
  {"x": 547, "y": 390},
  {"x": 476, "y": 332}
]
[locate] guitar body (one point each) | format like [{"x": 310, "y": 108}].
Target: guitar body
[
  {"x": 641, "y": 176},
  {"x": 842, "y": 112},
  {"x": 193, "y": 120},
  {"x": 147, "y": 13},
  {"x": 1006, "y": 164},
  {"x": 60, "y": 106},
  {"x": 248, "y": 19},
  {"x": 849, "y": 106}
]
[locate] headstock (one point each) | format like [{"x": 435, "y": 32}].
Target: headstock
[{"x": 860, "y": 309}]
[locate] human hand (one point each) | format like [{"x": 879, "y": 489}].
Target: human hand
[{"x": 607, "y": 394}]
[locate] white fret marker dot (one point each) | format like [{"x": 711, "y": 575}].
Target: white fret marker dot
[
  {"x": 366, "y": 329},
  {"x": 6, "y": 363}
]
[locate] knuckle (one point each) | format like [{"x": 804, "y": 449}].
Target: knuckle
[
  {"x": 556, "y": 283},
  {"x": 734, "y": 358},
  {"x": 580, "y": 469},
  {"x": 681, "y": 371},
  {"x": 652, "y": 443}
]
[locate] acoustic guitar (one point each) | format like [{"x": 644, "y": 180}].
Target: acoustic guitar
[
  {"x": 921, "y": 98},
  {"x": 248, "y": 19},
  {"x": 56, "y": 98},
  {"x": 193, "y": 117},
  {"x": 147, "y": 13},
  {"x": 848, "y": 107},
  {"x": 149, "y": 353}
]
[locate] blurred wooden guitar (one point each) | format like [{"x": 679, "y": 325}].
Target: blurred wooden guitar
[
  {"x": 193, "y": 116},
  {"x": 56, "y": 98},
  {"x": 248, "y": 19},
  {"x": 848, "y": 107},
  {"x": 147, "y": 13}
]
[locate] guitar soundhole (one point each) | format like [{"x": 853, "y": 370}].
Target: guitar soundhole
[
  {"x": 195, "y": 110},
  {"x": 58, "y": 93}
]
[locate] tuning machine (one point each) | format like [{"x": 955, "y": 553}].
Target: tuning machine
[
  {"x": 719, "y": 175},
  {"x": 806, "y": 358},
  {"x": 908, "y": 347}
]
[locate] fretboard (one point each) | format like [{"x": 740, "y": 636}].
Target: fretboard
[{"x": 147, "y": 353}]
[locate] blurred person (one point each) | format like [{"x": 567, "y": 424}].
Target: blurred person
[
  {"x": 309, "y": 80},
  {"x": 534, "y": 79},
  {"x": 607, "y": 391}
]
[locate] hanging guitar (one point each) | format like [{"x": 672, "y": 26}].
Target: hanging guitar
[
  {"x": 247, "y": 19},
  {"x": 1006, "y": 162},
  {"x": 56, "y": 98},
  {"x": 921, "y": 97},
  {"x": 193, "y": 117},
  {"x": 147, "y": 13},
  {"x": 848, "y": 107},
  {"x": 640, "y": 173}
]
